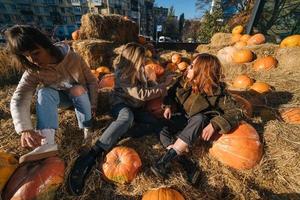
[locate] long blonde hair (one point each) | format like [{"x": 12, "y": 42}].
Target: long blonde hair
[
  {"x": 207, "y": 74},
  {"x": 131, "y": 62}
]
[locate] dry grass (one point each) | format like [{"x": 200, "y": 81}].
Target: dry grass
[{"x": 276, "y": 177}]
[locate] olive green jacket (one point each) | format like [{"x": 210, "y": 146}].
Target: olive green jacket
[{"x": 223, "y": 112}]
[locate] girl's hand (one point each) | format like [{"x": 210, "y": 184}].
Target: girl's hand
[
  {"x": 30, "y": 138},
  {"x": 167, "y": 113},
  {"x": 207, "y": 132}
]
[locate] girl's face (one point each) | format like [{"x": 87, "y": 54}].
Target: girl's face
[
  {"x": 190, "y": 72},
  {"x": 39, "y": 56}
]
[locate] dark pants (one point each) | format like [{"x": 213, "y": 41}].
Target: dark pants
[
  {"x": 124, "y": 118},
  {"x": 187, "y": 129}
]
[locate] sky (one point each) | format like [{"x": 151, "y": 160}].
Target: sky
[{"x": 182, "y": 6}]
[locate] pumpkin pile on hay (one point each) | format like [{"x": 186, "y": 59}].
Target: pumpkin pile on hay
[{"x": 108, "y": 27}]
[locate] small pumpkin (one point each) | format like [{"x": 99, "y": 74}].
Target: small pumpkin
[
  {"x": 176, "y": 58},
  {"x": 242, "y": 56},
  {"x": 75, "y": 35},
  {"x": 240, "y": 149},
  {"x": 235, "y": 37},
  {"x": 261, "y": 87},
  {"x": 182, "y": 66},
  {"x": 35, "y": 180},
  {"x": 265, "y": 63},
  {"x": 162, "y": 194},
  {"x": 291, "y": 115},
  {"x": 238, "y": 29},
  {"x": 158, "y": 69},
  {"x": 256, "y": 39},
  {"x": 242, "y": 82},
  {"x": 107, "y": 81},
  {"x": 121, "y": 165},
  {"x": 171, "y": 67},
  {"x": 240, "y": 44},
  {"x": 291, "y": 41},
  {"x": 225, "y": 55},
  {"x": 245, "y": 38},
  {"x": 103, "y": 70},
  {"x": 8, "y": 164}
]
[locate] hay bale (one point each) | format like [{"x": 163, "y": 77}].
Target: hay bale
[
  {"x": 262, "y": 50},
  {"x": 288, "y": 57},
  {"x": 208, "y": 48},
  {"x": 108, "y": 27},
  {"x": 96, "y": 52},
  {"x": 221, "y": 39}
]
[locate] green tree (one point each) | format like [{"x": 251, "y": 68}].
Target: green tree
[{"x": 171, "y": 25}]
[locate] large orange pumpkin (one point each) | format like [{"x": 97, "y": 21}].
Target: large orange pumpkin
[
  {"x": 240, "y": 149},
  {"x": 240, "y": 44},
  {"x": 291, "y": 41},
  {"x": 291, "y": 115},
  {"x": 162, "y": 194},
  {"x": 242, "y": 82},
  {"x": 35, "y": 180},
  {"x": 261, "y": 87},
  {"x": 238, "y": 29},
  {"x": 171, "y": 67},
  {"x": 103, "y": 70},
  {"x": 95, "y": 72},
  {"x": 176, "y": 58},
  {"x": 121, "y": 165},
  {"x": 265, "y": 63},
  {"x": 182, "y": 66},
  {"x": 8, "y": 164},
  {"x": 245, "y": 38},
  {"x": 75, "y": 35},
  {"x": 225, "y": 55},
  {"x": 107, "y": 81},
  {"x": 235, "y": 37},
  {"x": 256, "y": 39},
  {"x": 158, "y": 69},
  {"x": 242, "y": 56}
]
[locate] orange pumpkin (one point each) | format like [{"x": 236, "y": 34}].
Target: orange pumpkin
[
  {"x": 291, "y": 115},
  {"x": 75, "y": 35},
  {"x": 240, "y": 149},
  {"x": 162, "y": 194},
  {"x": 238, "y": 29},
  {"x": 107, "y": 81},
  {"x": 235, "y": 37},
  {"x": 142, "y": 39},
  {"x": 240, "y": 44},
  {"x": 242, "y": 82},
  {"x": 291, "y": 41},
  {"x": 265, "y": 63},
  {"x": 225, "y": 55},
  {"x": 158, "y": 69},
  {"x": 176, "y": 58},
  {"x": 245, "y": 37},
  {"x": 242, "y": 56},
  {"x": 256, "y": 39},
  {"x": 121, "y": 165},
  {"x": 126, "y": 18},
  {"x": 8, "y": 164},
  {"x": 35, "y": 180},
  {"x": 171, "y": 67},
  {"x": 103, "y": 70},
  {"x": 182, "y": 66},
  {"x": 261, "y": 87}
]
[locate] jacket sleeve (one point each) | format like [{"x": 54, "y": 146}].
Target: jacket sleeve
[
  {"x": 21, "y": 100},
  {"x": 171, "y": 94},
  {"x": 92, "y": 83},
  {"x": 231, "y": 117}
]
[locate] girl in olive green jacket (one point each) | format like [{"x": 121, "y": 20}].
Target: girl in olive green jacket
[{"x": 203, "y": 108}]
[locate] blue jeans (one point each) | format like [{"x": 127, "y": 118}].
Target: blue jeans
[
  {"x": 125, "y": 116},
  {"x": 48, "y": 102}
]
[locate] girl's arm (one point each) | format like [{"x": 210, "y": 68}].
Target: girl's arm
[
  {"x": 171, "y": 94},
  {"x": 231, "y": 117},
  {"x": 20, "y": 102},
  {"x": 92, "y": 83}
]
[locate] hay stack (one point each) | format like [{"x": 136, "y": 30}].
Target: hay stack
[
  {"x": 96, "y": 52},
  {"x": 221, "y": 39},
  {"x": 288, "y": 57},
  {"x": 108, "y": 27}
]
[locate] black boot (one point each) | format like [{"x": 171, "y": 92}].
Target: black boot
[
  {"x": 191, "y": 168},
  {"x": 81, "y": 169},
  {"x": 160, "y": 168}
]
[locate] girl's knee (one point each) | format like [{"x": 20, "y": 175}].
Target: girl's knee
[
  {"x": 47, "y": 94},
  {"x": 77, "y": 90}
]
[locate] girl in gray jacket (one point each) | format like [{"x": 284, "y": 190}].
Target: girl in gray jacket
[{"x": 64, "y": 79}]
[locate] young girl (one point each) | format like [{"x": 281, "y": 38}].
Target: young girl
[
  {"x": 128, "y": 98},
  {"x": 64, "y": 80},
  {"x": 203, "y": 108}
]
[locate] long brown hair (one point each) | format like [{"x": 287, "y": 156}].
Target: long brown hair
[
  {"x": 131, "y": 62},
  {"x": 22, "y": 38},
  {"x": 207, "y": 74}
]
